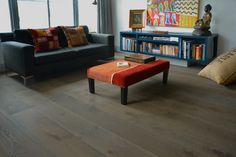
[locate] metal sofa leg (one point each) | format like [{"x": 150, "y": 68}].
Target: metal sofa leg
[{"x": 26, "y": 78}]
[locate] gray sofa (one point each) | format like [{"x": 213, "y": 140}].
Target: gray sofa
[{"x": 19, "y": 56}]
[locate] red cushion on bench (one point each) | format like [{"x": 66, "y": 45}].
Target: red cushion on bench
[{"x": 124, "y": 77}]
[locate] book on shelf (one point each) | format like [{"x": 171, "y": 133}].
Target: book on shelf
[
  {"x": 128, "y": 44},
  {"x": 168, "y": 50},
  {"x": 172, "y": 39},
  {"x": 193, "y": 50},
  {"x": 140, "y": 58},
  {"x": 160, "y": 32},
  {"x": 146, "y": 37},
  {"x": 122, "y": 64},
  {"x": 145, "y": 47},
  {"x": 176, "y": 39},
  {"x": 161, "y": 38}
]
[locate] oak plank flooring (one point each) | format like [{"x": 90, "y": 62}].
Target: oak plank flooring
[
  {"x": 17, "y": 142},
  {"x": 188, "y": 117},
  {"x": 99, "y": 138},
  {"x": 3, "y": 152},
  {"x": 115, "y": 123},
  {"x": 55, "y": 138}
]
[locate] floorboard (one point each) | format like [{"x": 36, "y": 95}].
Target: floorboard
[{"x": 57, "y": 116}]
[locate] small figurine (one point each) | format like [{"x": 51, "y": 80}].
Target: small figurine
[{"x": 202, "y": 26}]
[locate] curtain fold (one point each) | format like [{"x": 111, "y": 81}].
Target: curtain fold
[{"x": 104, "y": 17}]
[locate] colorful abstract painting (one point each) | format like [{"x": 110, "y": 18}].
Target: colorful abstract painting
[{"x": 172, "y": 13}]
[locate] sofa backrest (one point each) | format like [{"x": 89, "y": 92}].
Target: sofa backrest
[
  {"x": 86, "y": 31},
  {"x": 24, "y": 36},
  {"x": 6, "y": 37},
  {"x": 62, "y": 38}
]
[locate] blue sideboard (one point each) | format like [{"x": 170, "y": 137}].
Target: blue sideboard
[{"x": 182, "y": 46}]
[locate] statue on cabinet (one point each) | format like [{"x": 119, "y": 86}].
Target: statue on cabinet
[{"x": 202, "y": 26}]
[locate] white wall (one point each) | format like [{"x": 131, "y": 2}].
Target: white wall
[{"x": 223, "y": 22}]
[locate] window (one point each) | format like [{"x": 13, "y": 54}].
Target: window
[
  {"x": 88, "y": 14},
  {"x": 33, "y": 13},
  {"x": 5, "y": 20},
  {"x": 26, "y": 14},
  {"x": 61, "y": 12}
]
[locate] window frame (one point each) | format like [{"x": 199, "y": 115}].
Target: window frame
[{"x": 14, "y": 14}]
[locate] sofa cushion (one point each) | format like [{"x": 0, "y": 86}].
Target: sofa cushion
[
  {"x": 70, "y": 53},
  {"x": 75, "y": 36},
  {"x": 54, "y": 56},
  {"x": 45, "y": 40},
  {"x": 23, "y": 36},
  {"x": 90, "y": 49}
]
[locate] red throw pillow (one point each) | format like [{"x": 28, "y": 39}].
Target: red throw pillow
[{"x": 45, "y": 40}]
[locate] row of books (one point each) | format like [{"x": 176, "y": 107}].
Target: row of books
[
  {"x": 175, "y": 39},
  {"x": 192, "y": 50},
  {"x": 128, "y": 44},
  {"x": 169, "y": 50}
]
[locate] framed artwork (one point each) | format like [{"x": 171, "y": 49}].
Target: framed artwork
[
  {"x": 136, "y": 20},
  {"x": 172, "y": 13}
]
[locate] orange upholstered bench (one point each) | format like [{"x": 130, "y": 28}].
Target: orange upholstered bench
[{"x": 126, "y": 76}]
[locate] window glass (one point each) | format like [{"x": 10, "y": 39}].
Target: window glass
[
  {"x": 61, "y": 12},
  {"x": 5, "y": 20},
  {"x": 88, "y": 14},
  {"x": 33, "y": 13}
]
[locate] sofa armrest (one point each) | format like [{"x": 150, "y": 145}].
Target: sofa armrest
[
  {"x": 18, "y": 57},
  {"x": 107, "y": 39}
]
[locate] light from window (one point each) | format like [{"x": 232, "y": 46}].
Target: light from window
[
  {"x": 61, "y": 12},
  {"x": 5, "y": 20},
  {"x": 88, "y": 14},
  {"x": 33, "y": 13}
]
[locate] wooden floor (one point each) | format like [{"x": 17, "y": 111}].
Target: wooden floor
[{"x": 58, "y": 117}]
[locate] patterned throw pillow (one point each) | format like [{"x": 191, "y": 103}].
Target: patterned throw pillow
[
  {"x": 75, "y": 36},
  {"x": 45, "y": 40}
]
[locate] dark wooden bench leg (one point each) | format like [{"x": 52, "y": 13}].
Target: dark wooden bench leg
[
  {"x": 91, "y": 85},
  {"x": 124, "y": 94},
  {"x": 165, "y": 76}
]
